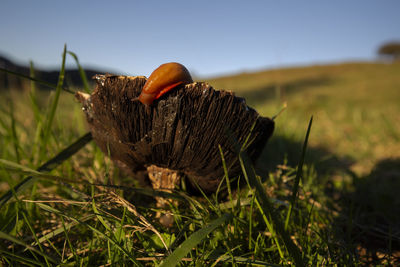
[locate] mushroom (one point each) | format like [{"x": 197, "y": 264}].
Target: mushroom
[{"x": 178, "y": 135}]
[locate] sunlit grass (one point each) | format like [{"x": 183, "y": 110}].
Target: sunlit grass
[{"x": 355, "y": 106}]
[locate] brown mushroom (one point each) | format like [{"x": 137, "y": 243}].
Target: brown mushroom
[{"x": 178, "y": 135}]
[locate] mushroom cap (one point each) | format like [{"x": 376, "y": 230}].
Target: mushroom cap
[{"x": 181, "y": 131}]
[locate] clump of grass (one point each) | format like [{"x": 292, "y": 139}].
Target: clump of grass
[{"x": 64, "y": 203}]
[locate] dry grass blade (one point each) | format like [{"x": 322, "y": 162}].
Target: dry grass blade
[{"x": 142, "y": 219}]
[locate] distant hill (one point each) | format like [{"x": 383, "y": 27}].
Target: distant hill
[
  {"x": 9, "y": 81},
  {"x": 344, "y": 80}
]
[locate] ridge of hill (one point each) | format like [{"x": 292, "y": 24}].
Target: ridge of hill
[
  {"x": 248, "y": 81},
  {"x": 8, "y": 81}
]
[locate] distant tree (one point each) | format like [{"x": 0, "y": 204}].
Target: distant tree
[{"x": 390, "y": 50}]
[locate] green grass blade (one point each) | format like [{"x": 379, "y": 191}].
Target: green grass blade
[
  {"x": 54, "y": 104},
  {"x": 299, "y": 174},
  {"x": 32, "y": 95},
  {"x": 32, "y": 74},
  {"x": 265, "y": 203},
  {"x": 61, "y": 230},
  {"x": 22, "y": 243},
  {"x": 100, "y": 217},
  {"x": 267, "y": 208},
  {"x": 267, "y": 220},
  {"x": 245, "y": 261},
  {"x": 68, "y": 240},
  {"x": 95, "y": 230},
  {"x": 66, "y": 153},
  {"x": 14, "y": 132},
  {"x": 193, "y": 240},
  {"x": 228, "y": 182},
  {"x": 48, "y": 166},
  {"x": 34, "y": 234},
  {"x": 265, "y": 216},
  {"x": 283, "y": 108},
  {"x": 16, "y": 257},
  {"x": 17, "y": 168},
  {"x": 9, "y": 165},
  {"x": 81, "y": 72}
]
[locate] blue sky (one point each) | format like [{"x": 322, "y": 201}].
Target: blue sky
[{"x": 209, "y": 37}]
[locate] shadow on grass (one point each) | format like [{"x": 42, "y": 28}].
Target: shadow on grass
[
  {"x": 370, "y": 214},
  {"x": 368, "y": 222},
  {"x": 260, "y": 95},
  {"x": 280, "y": 150}
]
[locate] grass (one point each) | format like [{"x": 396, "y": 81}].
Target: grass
[{"x": 325, "y": 196}]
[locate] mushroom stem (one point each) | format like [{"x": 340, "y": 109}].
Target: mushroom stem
[{"x": 163, "y": 179}]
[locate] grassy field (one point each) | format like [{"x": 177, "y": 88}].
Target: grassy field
[
  {"x": 355, "y": 107},
  {"x": 343, "y": 211}
]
